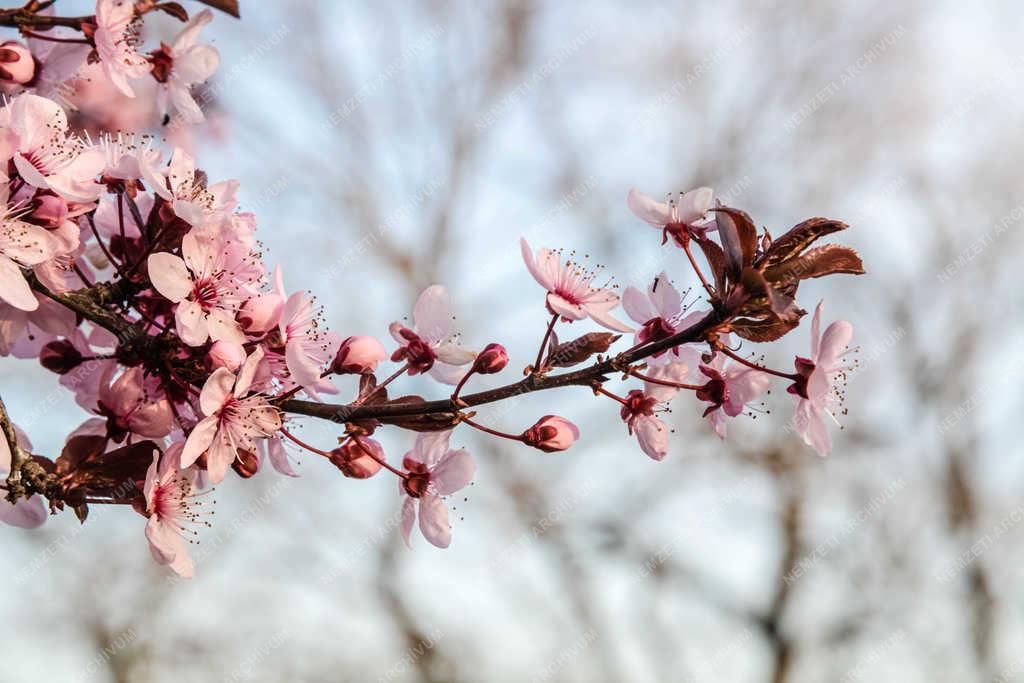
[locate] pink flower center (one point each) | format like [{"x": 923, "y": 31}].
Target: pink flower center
[{"x": 205, "y": 293}]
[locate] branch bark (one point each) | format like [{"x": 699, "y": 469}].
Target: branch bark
[{"x": 391, "y": 412}]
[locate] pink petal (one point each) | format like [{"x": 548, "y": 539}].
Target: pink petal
[
  {"x": 432, "y": 316},
  {"x": 216, "y": 389},
  {"x": 190, "y": 323},
  {"x": 14, "y": 288},
  {"x": 637, "y": 306},
  {"x": 601, "y": 317},
  {"x": 430, "y": 447},
  {"x": 652, "y": 435},
  {"x": 816, "y": 331},
  {"x": 655, "y": 213},
  {"x": 169, "y": 276},
  {"x": 248, "y": 371},
  {"x": 833, "y": 343},
  {"x": 152, "y": 420},
  {"x": 434, "y": 521},
  {"x": 279, "y": 457},
  {"x": 694, "y": 204},
  {"x": 454, "y": 471},
  {"x": 565, "y": 308},
  {"x": 408, "y": 519},
  {"x": 25, "y": 514},
  {"x": 665, "y": 297},
  {"x": 199, "y": 440}
]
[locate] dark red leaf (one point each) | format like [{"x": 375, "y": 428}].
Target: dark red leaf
[
  {"x": 763, "y": 330},
  {"x": 174, "y": 9},
  {"x": 716, "y": 260},
  {"x": 578, "y": 350},
  {"x": 226, "y": 6},
  {"x": 817, "y": 262},
  {"x": 799, "y": 238},
  {"x": 80, "y": 449}
]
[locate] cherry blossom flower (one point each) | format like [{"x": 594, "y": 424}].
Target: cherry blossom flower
[
  {"x": 117, "y": 39},
  {"x": 186, "y": 189},
  {"x": 182, "y": 64},
  {"x": 641, "y": 406},
  {"x": 570, "y": 293},
  {"x": 35, "y": 137},
  {"x": 729, "y": 389},
  {"x": 231, "y": 421},
  {"x": 27, "y": 513},
  {"x": 307, "y": 348},
  {"x": 170, "y": 494},
  {"x": 24, "y": 333},
  {"x": 551, "y": 433},
  {"x": 660, "y": 314},
  {"x": 206, "y": 293},
  {"x": 676, "y": 217},
  {"x": 127, "y": 406},
  {"x": 816, "y": 391},
  {"x": 434, "y": 471},
  {"x": 427, "y": 346}
]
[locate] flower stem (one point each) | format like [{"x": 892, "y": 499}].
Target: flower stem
[
  {"x": 488, "y": 430},
  {"x": 305, "y": 445},
  {"x": 663, "y": 382},
  {"x": 696, "y": 269},
  {"x": 754, "y": 366},
  {"x": 544, "y": 343},
  {"x": 383, "y": 463}
]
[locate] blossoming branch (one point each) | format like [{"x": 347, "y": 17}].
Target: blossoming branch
[{"x": 137, "y": 280}]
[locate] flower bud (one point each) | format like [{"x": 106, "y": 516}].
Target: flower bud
[
  {"x": 246, "y": 464},
  {"x": 551, "y": 433},
  {"x": 225, "y": 354},
  {"x": 16, "y": 63},
  {"x": 492, "y": 359},
  {"x": 60, "y": 357},
  {"x": 358, "y": 356},
  {"x": 354, "y": 461}
]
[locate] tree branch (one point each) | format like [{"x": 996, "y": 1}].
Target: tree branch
[{"x": 393, "y": 412}]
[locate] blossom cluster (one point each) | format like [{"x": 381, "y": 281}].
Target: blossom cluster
[{"x": 137, "y": 279}]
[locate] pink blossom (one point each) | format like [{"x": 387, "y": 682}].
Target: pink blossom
[
  {"x": 205, "y": 291},
  {"x": 358, "y": 355},
  {"x": 434, "y": 471},
  {"x": 491, "y": 360},
  {"x": 678, "y": 217},
  {"x": 278, "y": 456},
  {"x": 117, "y": 37},
  {"x": 640, "y": 409},
  {"x": 551, "y": 433},
  {"x": 816, "y": 391},
  {"x": 170, "y": 494},
  {"x": 192, "y": 200},
  {"x": 27, "y": 513},
  {"x": 570, "y": 293},
  {"x": 428, "y": 346},
  {"x": 729, "y": 389},
  {"x": 307, "y": 347},
  {"x": 182, "y": 64},
  {"x": 36, "y": 139},
  {"x": 231, "y": 421},
  {"x": 127, "y": 406},
  {"x": 660, "y": 314},
  {"x": 23, "y": 333}
]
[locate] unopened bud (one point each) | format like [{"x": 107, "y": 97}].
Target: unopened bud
[
  {"x": 60, "y": 357},
  {"x": 246, "y": 464},
  {"x": 16, "y": 63},
  {"x": 492, "y": 359},
  {"x": 551, "y": 433},
  {"x": 354, "y": 460},
  {"x": 358, "y": 356}
]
